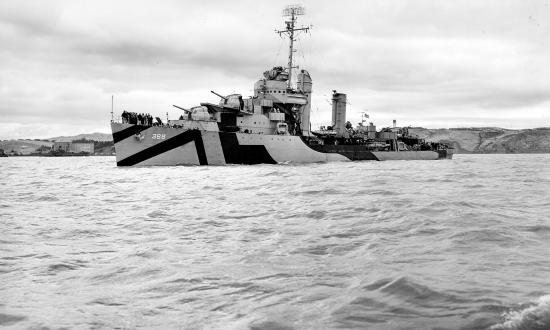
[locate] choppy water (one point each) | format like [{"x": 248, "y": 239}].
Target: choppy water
[{"x": 461, "y": 244}]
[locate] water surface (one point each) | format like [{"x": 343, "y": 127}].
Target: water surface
[{"x": 460, "y": 244}]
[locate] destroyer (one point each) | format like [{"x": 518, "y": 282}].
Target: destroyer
[{"x": 273, "y": 126}]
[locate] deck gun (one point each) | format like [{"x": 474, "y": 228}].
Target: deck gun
[
  {"x": 223, "y": 97},
  {"x": 186, "y": 110}
]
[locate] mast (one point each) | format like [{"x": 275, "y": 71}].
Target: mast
[
  {"x": 292, "y": 11},
  {"x": 112, "y": 104}
]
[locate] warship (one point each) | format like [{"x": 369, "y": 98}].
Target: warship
[{"x": 272, "y": 126}]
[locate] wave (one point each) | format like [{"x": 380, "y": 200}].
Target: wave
[
  {"x": 82, "y": 233},
  {"x": 60, "y": 267},
  {"x": 65, "y": 266},
  {"x": 105, "y": 302},
  {"x": 534, "y": 317},
  {"x": 408, "y": 290},
  {"x": 47, "y": 199},
  {"x": 243, "y": 215},
  {"x": 270, "y": 325},
  {"x": 537, "y": 229},
  {"x": 7, "y": 319},
  {"x": 482, "y": 235},
  {"x": 327, "y": 191},
  {"x": 372, "y": 191}
]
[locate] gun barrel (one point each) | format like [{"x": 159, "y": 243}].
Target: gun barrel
[
  {"x": 186, "y": 110},
  {"x": 223, "y": 97}
]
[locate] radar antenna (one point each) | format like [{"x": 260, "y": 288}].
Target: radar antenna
[{"x": 292, "y": 11}]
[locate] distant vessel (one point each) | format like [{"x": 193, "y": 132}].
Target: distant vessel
[{"x": 273, "y": 126}]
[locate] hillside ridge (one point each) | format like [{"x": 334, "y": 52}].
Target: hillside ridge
[
  {"x": 489, "y": 139},
  {"x": 464, "y": 140}
]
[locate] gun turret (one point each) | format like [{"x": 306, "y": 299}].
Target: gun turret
[
  {"x": 186, "y": 110},
  {"x": 223, "y": 97}
]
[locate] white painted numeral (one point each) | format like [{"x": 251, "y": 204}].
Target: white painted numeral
[{"x": 159, "y": 136}]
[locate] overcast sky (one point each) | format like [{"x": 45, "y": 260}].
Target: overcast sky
[{"x": 425, "y": 63}]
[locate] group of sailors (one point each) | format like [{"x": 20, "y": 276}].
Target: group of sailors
[{"x": 137, "y": 118}]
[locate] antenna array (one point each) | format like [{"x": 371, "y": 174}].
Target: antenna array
[{"x": 292, "y": 11}]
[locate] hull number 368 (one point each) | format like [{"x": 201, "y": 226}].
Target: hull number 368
[{"x": 159, "y": 136}]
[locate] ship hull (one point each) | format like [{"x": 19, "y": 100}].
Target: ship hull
[{"x": 137, "y": 145}]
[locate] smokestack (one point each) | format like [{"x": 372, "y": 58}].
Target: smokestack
[
  {"x": 304, "y": 86},
  {"x": 339, "y": 112},
  {"x": 394, "y": 123}
]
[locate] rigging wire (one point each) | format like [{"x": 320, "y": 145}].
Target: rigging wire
[
  {"x": 301, "y": 52},
  {"x": 276, "y": 57}
]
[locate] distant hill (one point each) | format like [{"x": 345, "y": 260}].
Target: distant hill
[
  {"x": 489, "y": 139},
  {"x": 91, "y": 136},
  {"x": 464, "y": 140},
  {"x": 23, "y": 146},
  {"x": 104, "y": 143}
]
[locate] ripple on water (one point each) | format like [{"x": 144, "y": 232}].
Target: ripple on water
[
  {"x": 48, "y": 198},
  {"x": 316, "y": 214},
  {"x": 158, "y": 214},
  {"x": 484, "y": 236},
  {"x": 82, "y": 234},
  {"x": 65, "y": 266},
  {"x": 8, "y": 319},
  {"x": 538, "y": 229},
  {"x": 106, "y": 302},
  {"x": 270, "y": 325},
  {"x": 315, "y": 192},
  {"x": 243, "y": 215}
]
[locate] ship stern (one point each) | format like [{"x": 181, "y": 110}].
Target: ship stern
[{"x": 446, "y": 153}]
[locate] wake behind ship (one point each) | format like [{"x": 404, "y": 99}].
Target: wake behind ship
[{"x": 273, "y": 126}]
